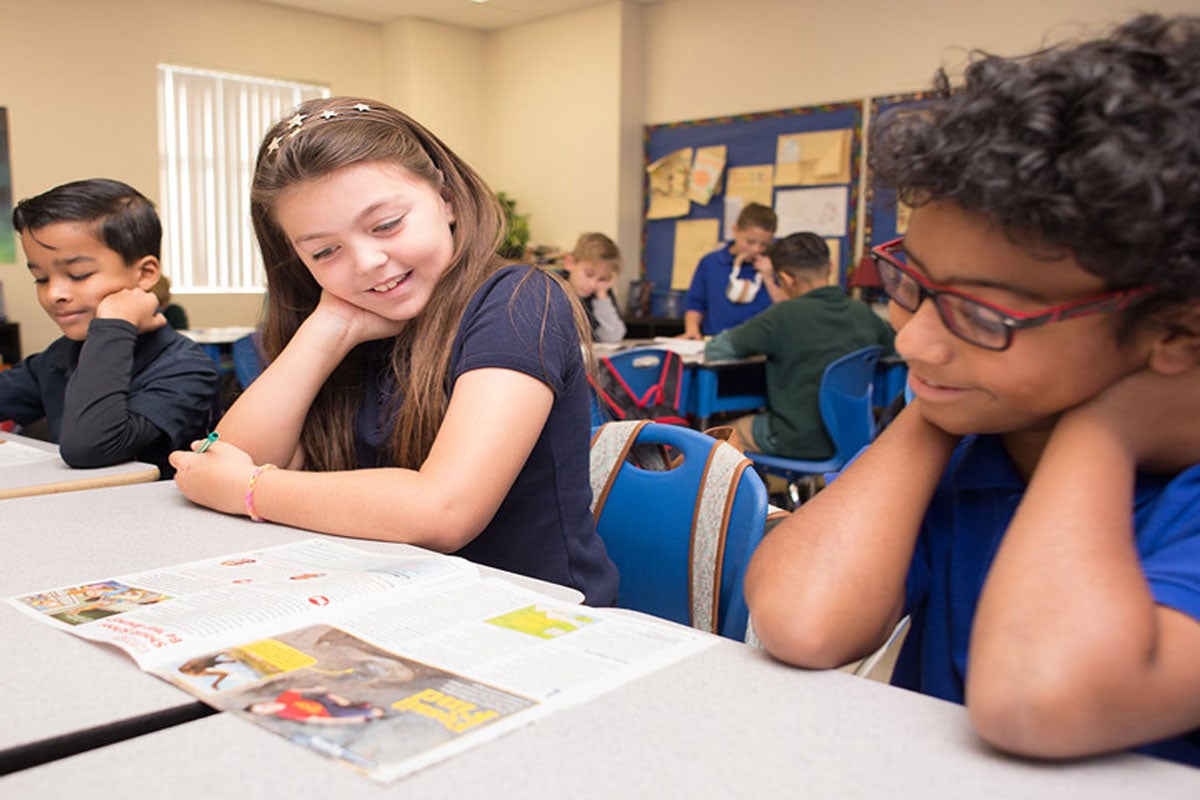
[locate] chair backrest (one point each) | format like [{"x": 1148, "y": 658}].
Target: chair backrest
[
  {"x": 681, "y": 531},
  {"x": 845, "y": 397},
  {"x": 644, "y": 383},
  {"x": 247, "y": 362}
]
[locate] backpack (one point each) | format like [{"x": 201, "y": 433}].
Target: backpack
[{"x": 641, "y": 384}]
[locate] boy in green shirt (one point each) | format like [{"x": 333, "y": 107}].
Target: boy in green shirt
[{"x": 816, "y": 325}]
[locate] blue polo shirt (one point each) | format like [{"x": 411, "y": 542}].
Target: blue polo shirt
[
  {"x": 966, "y": 520},
  {"x": 707, "y": 293}
]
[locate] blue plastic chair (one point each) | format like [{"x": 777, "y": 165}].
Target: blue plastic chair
[
  {"x": 845, "y": 399},
  {"x": 247, "y": 362},
  {"x": 647, "y": 522}
]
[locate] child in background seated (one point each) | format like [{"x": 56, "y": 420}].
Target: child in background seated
[
  {"x": 592, "y": 269},
  {"x": 173, "y": 312},
  {"x": 800, "y": 337},
  {"x": 419, "y": 389},
  {"x": 1036, "y": 507},
  {"x": 120, "y": 384}
]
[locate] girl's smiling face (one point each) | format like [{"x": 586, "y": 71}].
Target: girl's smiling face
[
  {"x": 372, "y": 234},
  {"x": 964, "y": 388}
]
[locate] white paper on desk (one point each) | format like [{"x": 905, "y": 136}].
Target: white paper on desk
[
  {"x": 688, "y": 348},
  {"x": 196, "y": 606},
  {"x": 13, "y": 453},
  {"x": 408, "y": 662}
]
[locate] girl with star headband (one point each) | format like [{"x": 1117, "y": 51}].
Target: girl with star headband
[{"x": 419, "y": 390}]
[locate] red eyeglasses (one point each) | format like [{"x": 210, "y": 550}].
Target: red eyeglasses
[{"x": 977, "y": 321}]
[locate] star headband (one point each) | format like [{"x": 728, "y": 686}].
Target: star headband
[{"x": 299, "y": 122}]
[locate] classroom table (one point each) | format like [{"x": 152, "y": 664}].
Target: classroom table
[
  {"x": 65, "y": 693},
  {"x": 24, "y": 472},
  {"x": 218, "y": 342},
  {"x": 727, "y": 722}
]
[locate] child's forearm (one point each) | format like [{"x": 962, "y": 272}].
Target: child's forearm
[
  {"x": 267, "y": 419},
  {"x": 1069, "y": 653},
  {"x": 610, "y": 327},
  {"x": 97, "y": 427},
  {"x": 827, "y": 585}
]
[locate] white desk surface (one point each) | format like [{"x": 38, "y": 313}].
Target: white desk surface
[
  {"x": 225, "y": 335},
  {"x": 728, "y": 722},
  {"x": 49, "y": 475},
  {"x": 58, "y": 684}
]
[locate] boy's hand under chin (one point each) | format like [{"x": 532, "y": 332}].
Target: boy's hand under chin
[
  {"x": 136, "y": 306},
  {"x": 1156, "y": 417}
]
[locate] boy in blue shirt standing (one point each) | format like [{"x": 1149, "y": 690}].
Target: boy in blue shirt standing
[
  {"x": 1036, "y": 507},
  {"x": 119, "y": 384},
  {"x": 733, "y": 283}
]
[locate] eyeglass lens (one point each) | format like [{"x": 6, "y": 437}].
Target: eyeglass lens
[{"x": 967, "y": 319}]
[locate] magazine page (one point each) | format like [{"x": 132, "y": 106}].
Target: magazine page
[
  {"x": 161, "y": 615},
  {"x": 396, "y": 688}
]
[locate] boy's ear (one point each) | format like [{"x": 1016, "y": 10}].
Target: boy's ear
[
  {"x": 1177, "y": 346},
  {"x": 148, "y": 270},
  {"x": 568, "y": 262}
]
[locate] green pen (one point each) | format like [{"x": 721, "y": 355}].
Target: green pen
[{"x": 208, "y": 442}]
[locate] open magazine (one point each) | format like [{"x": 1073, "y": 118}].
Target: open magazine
[{"x": 385, "y": 663}]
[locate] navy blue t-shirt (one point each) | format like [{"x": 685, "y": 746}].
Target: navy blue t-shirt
[{"x": 522, "y": 320}]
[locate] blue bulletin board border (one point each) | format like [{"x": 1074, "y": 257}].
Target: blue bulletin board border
[
  {"x": 750, "y": 139},
  {"x": 880, "y": 222}
]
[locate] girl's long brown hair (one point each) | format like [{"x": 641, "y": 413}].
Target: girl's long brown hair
[{"x": 328, "y": 134}]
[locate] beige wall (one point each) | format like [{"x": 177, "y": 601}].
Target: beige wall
[
  {"x": 78, "y": 78},
  {"x": 550, "y": 112}
]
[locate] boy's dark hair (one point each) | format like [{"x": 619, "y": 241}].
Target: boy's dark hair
[
  {"x": 756, "y": 215},
  {"x": 799, "y": 252},
  {"x": 126, "y": 221},
  {"x": 1091, "y": 148}
]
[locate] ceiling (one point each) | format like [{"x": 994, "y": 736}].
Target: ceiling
[{"x": 489, "y": 16}]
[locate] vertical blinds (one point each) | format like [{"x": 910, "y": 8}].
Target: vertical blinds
[{"x": 210, "y": 126}]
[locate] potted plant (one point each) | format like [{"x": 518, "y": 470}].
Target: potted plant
[{"x": 516, "y": 229}]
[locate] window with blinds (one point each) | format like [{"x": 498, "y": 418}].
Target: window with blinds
[{"x": 210, "y": 127}]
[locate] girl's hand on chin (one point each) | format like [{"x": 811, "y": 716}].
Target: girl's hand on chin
[{"x": 358, "y": 323}]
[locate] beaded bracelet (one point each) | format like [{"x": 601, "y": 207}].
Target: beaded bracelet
[{"x": 258, "y": 472}]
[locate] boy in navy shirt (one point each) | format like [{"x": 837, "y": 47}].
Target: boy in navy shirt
[
  {"x": 1035, "y": 507},
  {"x": 120, "y": 384}
]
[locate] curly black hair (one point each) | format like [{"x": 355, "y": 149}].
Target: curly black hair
[{"x": 1091, "y": 148}]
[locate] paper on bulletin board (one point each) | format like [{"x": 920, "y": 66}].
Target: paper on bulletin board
[
  {"x": 706, "y": 173},
  {"x": 694, "y": 239},
  {"x": 807, "y": 159},
  {"x": 669, "y": 185},
  {"x": 820, "y": 210},
  {"x": 745, "y": 185}
]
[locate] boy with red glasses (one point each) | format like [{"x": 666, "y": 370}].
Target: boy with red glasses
[{"x": 1036, "y": 508}]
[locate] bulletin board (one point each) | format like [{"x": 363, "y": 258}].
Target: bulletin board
[
  {"x": 748, "y": 143},
  {"x": 884, "y": 218}
]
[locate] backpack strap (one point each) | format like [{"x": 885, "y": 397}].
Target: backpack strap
[
  {"x": 710, "y": 522},
  {"x": 610, "y": 447},
  {"x": 670, "y": 380}
]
